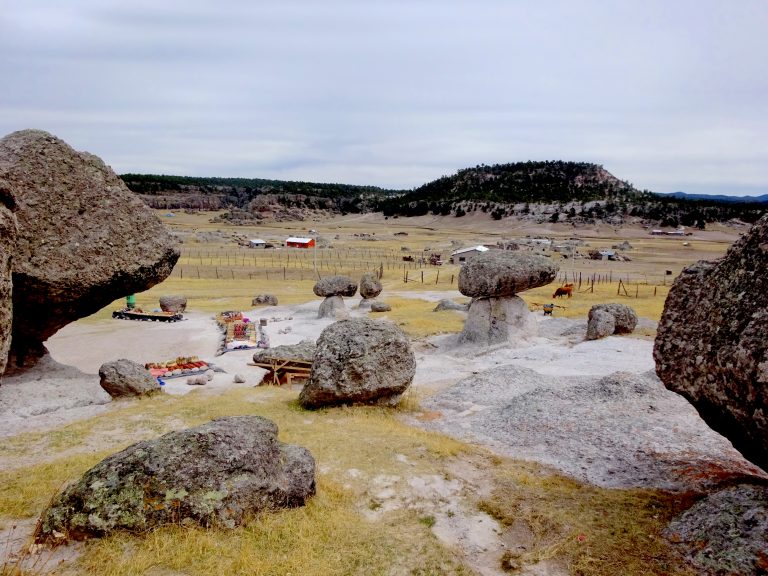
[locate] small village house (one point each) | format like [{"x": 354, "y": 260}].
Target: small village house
[
  {"x": 296, "y": 242},
  {"x": 467, "y": 254},
  {"x": 257, "y": 243}
]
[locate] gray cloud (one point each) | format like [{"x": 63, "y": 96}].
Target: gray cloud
[{"x": 669, "y": 95}]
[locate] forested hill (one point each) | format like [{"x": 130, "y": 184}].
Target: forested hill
[
  {"x": 519, "y": 182},
  {"x": 162, "y": 191},
  {"x": 558, "y": 191}
]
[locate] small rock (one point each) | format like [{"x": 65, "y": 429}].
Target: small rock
[
  {"x": 264, "y": 300},
  {"x": 239, "y": 379},
  {"x": 199, "y": 380},
  {"x": 173, "y": 304},
  {"x": 607, "y": 319},
  {"x": 446, "y": 304},
  {"x": 601, "y": 324},
  {"x": 126, "y": 378},
  {"x": 380, "y": 307}
]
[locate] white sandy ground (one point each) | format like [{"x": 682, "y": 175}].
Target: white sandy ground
[{"x": 52, "y": 395}]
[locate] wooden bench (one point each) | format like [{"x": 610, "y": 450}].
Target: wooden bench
[{"x": 284, "y": 370}]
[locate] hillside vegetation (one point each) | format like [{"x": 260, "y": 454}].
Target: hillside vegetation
[{"x": 572, "y": 191}]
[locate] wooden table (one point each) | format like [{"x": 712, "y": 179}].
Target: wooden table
[{"x": 284, "y": 370}]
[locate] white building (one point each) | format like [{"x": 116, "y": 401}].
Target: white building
[
  {"x": 467, "y": 254},
  {"x": 257, "y": 243}
]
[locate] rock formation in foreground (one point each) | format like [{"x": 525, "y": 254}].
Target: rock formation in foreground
[
  {"x": 212, "y": 475},
  {"x": 726, "y": 532},
  {"x": 7, "y": 242},
  {"x": 84, "y": 240},
  {"x": 332, "y": 288},
  {"x": 493, "y": 279},
  {"x": 360, "y": 361},
  {"x": 711, "y": 343}
]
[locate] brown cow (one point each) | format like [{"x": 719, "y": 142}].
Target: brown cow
[{"x": 564, "y": 290}]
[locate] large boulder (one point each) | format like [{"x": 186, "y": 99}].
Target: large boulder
[
  {"x": 370, "y": 286},
  {"x": 360, "y": 361},
  {"x": 607, "y": 319},
  {"x": 335, "y": 286},
  {"x": 333, "y": 307},
  {"x": 502, "y": 273},
  {"x": 711, "y": 343},
  {"x": 497, "y": 320},
  {"x": 216, "y": 474},
  {"x": 126, "y": 378},
  {"x": 84, "y": 239},
  {"x": 7, "y": 244},
  {"x": 173, "y": 304}
]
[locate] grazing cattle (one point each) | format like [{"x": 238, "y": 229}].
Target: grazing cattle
[{"x": 564, "y": 290}]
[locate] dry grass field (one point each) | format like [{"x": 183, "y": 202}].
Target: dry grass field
[{"x": 345, "y": 529}]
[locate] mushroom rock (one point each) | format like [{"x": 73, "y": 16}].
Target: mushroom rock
[
  {"x": 493, "y": 279},
  {"x": 84, "y": 239}
]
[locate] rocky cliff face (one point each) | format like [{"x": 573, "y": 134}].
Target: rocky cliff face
[
  {"x": 83, "y": 241},
  {"x": 711, "y": 344}
]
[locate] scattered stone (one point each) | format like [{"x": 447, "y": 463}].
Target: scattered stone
[
  {"x": 496, "y": 320},
  {"x": 217, "y": 474},
  {"x": 199, "y": 380},
  {"x": 84, "y": 239},
  {"x": 264, "y": 300},
  {"x": 502, "y": 273},
  {"x": 446, "y": 304},
  {"x": 370, "y": 286},
  {"x": 239, "y": 379},
  {"x": 173, "y": 304},
  {"x": 335, "y": 286},
  {"x": 360, "y": 361},
  {"x": 7, "y": 242},
  {"x": 333, "y": 307},
  {"x": 304, "y": 350},
  {"x": 711, "y": 343},
  {"x": 121, "y": 378},
  {"x": 209, "y": 374},
  {"x": 380, "y": 307},
  {"x": 607, "y": 319},
  {"x": 726, "y": 532}
]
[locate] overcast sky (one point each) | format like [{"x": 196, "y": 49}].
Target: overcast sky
[{"x": 668, "y": 94}]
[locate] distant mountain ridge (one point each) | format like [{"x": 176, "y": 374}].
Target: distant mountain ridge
[
  {"x": 553, "y": 190},
  {"x": 716, "y": 197}
]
